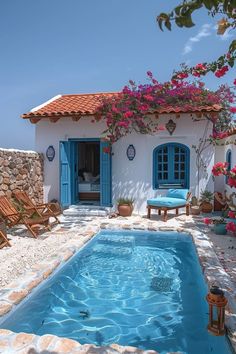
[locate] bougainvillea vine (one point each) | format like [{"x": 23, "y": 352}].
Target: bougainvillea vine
[{"x": 137, "y": 107}]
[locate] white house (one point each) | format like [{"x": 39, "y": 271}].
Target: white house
[
  {"x": 225, "y": 152},
  {"x": 140, "y": 166}
]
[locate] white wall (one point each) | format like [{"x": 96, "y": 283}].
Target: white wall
[
  {"x": 130, "y": 178},
  {"x": 220, "y": 156},
  {"x": 48, "y": 133}
]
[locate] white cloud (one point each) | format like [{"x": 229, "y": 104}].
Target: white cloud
[{"x": 205, "y": 31}]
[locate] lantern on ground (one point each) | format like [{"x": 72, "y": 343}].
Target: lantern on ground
[{"x": 217, "y": 303}]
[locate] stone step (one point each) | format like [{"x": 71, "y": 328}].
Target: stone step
[{"x": 85, "y": 210}]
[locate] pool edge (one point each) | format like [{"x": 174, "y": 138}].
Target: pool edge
[{"x": 17, "y": 291}]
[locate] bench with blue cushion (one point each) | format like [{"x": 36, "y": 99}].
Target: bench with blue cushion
[{"x": 174, "y": 199}]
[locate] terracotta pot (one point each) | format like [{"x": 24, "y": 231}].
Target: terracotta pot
[
  {"x": 195, "y": 209},
  {"x": 125, "y": 209},
  {"x": 206, "y": 207},
  {"x": 218, "y": 206}
]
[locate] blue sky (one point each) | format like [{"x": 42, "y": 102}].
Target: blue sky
[{"x": 79, "y": 46}]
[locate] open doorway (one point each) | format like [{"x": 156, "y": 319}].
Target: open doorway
[{"x": 89, "y": 172}]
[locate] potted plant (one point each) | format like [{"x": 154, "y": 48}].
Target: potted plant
[
  {"x": 219, "y": 225},
  {"x": 194, "y": 206},
  {"x": 125, "y": 206},
  {"x": 206, "y": 199}
]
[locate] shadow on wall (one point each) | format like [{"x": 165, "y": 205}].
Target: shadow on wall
[
  {"x": 203, "y": 173},
  {"x": 139, "y": 191}
]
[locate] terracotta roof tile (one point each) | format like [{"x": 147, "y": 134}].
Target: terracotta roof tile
[
  {"x": 86, "y": 104},
  {"x": 232, "y": 131}
]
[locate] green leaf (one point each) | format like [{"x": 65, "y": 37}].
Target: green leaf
[
  {"x": 232, "y": 46},
  {"x": 179, "y": 22},
  {"x": 163, "y": 17},
  {"x": 168, "y": 24},
  {"x": 231, "y": 62},
  {"x": 208, "y": 4},
  {"x": 187, "y": 21},
  {"x": 178, "y": 10}
]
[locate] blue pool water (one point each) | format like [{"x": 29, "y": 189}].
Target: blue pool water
[{"x": 143, "y": 289}]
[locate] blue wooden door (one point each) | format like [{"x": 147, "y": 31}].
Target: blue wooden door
[
  {"x": 74, "y": 171},
  {"x": 65, "y": 174},
  {"x": 105, "y": 174}
]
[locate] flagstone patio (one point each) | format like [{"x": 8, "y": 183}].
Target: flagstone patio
[{"x": 29, "y": 261}]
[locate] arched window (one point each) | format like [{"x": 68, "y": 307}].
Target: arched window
[
  {"x": 229, "y": 162},
  {"x": 171, "y": 166}
]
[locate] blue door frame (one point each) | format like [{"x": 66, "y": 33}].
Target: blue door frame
[{"x": 69, "y": 172}]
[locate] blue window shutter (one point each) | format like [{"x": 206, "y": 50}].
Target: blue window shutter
[
  {"x": 65, "y": 185},
  {"x": 105, "y": 172},
  {"x": 74, "y": 171},
  {"x": 171, "y": 164}
]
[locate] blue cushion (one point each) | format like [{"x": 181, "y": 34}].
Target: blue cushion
[
  {"x": 166, "y": 202},
  {"x": 177, "y": 193}
]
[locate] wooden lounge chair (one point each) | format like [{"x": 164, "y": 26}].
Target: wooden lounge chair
[
  {"x": 3, "y": 240},
  {"x": 42, "y": 209},
  {"x": 174, "y": 199},
  {"x": 31, "y": 219}
]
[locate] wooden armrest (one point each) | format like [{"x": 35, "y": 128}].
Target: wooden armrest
[{"x": 13, "y": 214}]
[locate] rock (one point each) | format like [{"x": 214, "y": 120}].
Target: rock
[
  {"x": 21, "y": 170},
  {"x": 4, "y": 187}
]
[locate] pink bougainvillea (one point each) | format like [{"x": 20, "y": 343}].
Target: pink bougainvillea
[
  {"x": 207, "y": 221},
  {"x": 134, "y": 107},
  {"x": 220, "y": 168},
  {"x": 231, "y": 214},
  {"x": 231, "y": 226}
]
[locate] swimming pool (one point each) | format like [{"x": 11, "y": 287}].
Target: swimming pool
[{"x": 137, "y": 288}]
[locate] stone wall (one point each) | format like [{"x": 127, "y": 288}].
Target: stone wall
[{"x": 21, "y": 170}]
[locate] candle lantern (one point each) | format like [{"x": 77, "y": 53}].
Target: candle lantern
[{"x": 217, "y": 303}]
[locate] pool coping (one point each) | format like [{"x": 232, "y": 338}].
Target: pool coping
[{"x": 18, "y": 290}]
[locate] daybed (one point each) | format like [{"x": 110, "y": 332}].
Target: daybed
[{"x": 174, "y": 199}]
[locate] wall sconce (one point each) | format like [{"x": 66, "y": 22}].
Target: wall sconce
[
  {"x": 50, "y": 153},
  {"x": 170, "y": 126},
  {"x": 131, "y": 152},
  {"x": 217, "y": 303}
]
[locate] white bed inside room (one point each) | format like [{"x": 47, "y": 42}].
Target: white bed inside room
[{"x": 89, "y": 171}]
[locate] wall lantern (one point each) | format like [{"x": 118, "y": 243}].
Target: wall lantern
[
  {"x": 217, "y": 303},
  {"x": 50, "y": 153},
  {"x": 131, "y": 152},
  {"x": 170, "y": 126}
]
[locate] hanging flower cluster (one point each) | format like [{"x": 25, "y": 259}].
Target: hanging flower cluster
[
  {"x": 219, "y": 169},
  {"x": 133, "y": 108},
  {"x": 219, "y": 67}
]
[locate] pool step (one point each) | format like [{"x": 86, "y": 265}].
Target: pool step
[
  {"x": 119, "y": 252},
  {"x": 86, "y": 210},
  {"x": 124, "y": 241}
]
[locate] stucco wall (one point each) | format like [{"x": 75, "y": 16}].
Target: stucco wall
[
  {"x": 130, "y": 178},
  {"x": 220, "y": 156}
]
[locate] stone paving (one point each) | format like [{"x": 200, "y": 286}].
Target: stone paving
[{"x": 79, "y": 232}]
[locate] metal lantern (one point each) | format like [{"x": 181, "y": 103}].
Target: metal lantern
[
  {"x": 50, "y": 153},
  {"x": 131, "y": 152},
  {"x": 217, "y": 303},
  {"x": 170, "y": 126}
]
